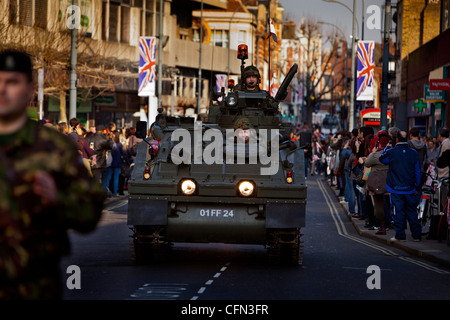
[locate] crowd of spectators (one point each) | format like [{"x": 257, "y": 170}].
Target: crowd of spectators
[{"x": 379, "y": 174}]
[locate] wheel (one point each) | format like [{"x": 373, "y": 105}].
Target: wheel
[
  {"x": 284, "y": 246},
  {"x": 149, "y": 245}
]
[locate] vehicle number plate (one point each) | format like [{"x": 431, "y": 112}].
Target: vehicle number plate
[{"x": 225, "y": 213}]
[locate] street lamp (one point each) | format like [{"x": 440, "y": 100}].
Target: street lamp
[{"x": 352, "y": 85}]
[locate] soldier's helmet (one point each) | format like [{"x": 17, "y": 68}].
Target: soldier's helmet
[
  {"x": 251, "y": 71},
  {"x": 242, "y": 123}
]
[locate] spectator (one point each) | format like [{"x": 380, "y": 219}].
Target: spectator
[
  {"x": 393, "y": 132},
  {"x": 100, "y": 144},
  {"x": 445, "y": 144},
  {"x": 443, "y": 172},
  {"x": 63, "y": 127},
  {"x": 83, "y": 146},
  {"x": 112, "y": 127},
  {"x": 376, "y": 184},
  {"x": 113, "y": 170},
  {"x": 419, "y": 146},
  {"x": 349, "y": 194},
  {"x": 432, "y": 153},
  {"x": 403, "y": 183}
]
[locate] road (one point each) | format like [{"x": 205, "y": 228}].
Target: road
[{"x": 335, "y": 265}]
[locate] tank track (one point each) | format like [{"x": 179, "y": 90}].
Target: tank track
[
  {"x": 284, "y": 246},
  {"x": 149, "y": 245}
]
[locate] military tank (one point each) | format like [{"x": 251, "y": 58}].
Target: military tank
[{"x": 234, "y": 178}]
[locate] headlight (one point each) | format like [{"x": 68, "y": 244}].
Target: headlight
[
  {"x": 246, "y": 188},
  {"x": 231, "y": 100},
  {"x": 188, "y": 187}
]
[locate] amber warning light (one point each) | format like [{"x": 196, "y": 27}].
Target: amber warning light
[{"x": 242, "y": 52}]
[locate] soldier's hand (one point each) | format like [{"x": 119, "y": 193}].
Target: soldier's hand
[{"x": 45, "y": 187}]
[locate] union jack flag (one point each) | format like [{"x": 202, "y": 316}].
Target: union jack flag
[
  {"x": 221, "y": 81},
  {"x": 365, "y": 70},
  {"x": 147, "y": 65}
]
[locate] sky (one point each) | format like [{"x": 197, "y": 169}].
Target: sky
[{"x": 337, "y": 14}]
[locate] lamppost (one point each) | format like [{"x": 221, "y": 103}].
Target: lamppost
[
  {"x": 352, "y": 85},
  {"x": 385, "y": 74}
]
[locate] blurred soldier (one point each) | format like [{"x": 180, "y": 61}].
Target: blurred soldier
[{"x": 44, "y": 191}]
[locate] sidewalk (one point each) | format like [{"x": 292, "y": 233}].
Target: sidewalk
[
  {"x": 432, "y": 250},
  {"x": 112, "y": 200}
]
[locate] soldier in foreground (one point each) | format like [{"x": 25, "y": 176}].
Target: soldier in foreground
[{"x": 44, "y": 191}]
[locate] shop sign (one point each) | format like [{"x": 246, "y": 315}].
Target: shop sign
[
  {"x": 433, "y": 96},
  {"x": 439, "y": 84}
]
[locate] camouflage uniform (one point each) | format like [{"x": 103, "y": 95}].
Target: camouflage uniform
[{"x": 33, "y": 234}]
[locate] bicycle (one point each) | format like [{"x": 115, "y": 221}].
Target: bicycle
[
  {"x": 428, "y": 202},
  {"x": 429, "y": 209}
]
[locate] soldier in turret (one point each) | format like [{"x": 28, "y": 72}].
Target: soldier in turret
[{"x": 252, "y": 79}]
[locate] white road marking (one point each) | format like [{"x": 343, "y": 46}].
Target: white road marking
[{"x": 342, "y": 231}]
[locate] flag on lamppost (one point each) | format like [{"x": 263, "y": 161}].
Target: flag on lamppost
[
  {"x": 272, "y": 32},
  {"x": 147, "y": 66},
  {"x": 365, "y": 70}
]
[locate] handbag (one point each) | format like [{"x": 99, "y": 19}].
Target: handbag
[
  {"x": 359, "y": 173},
  {"x": 376, "y": 182}
]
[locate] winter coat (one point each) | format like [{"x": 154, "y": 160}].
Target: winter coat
[
  {"x": 421, "y": 148},
  {"x": 116, "y": 153},
  {"x": 100, "y": 145},
  {"x": 404, "y": 170}
]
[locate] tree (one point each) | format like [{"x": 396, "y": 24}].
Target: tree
[
  {"x": 48, "y": 43},
  {"x": 317, "y": 65}
]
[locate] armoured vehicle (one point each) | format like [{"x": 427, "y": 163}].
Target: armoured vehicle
[{"x": 214, "y": 188}]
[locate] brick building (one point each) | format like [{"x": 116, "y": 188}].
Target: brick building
[{"x": 421, "y": 50}]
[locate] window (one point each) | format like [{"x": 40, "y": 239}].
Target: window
[
  {"x": 242, "y": 39},
  {"x": 149, "y": 18},
  {"x": 26, "y": 12},
  {"x": 40, "y": 9},
  {"x": 13, "y": 11},
  {"x": 104, "y": 20},
  {"x": 113, "y": 21},
  {"x": 125, "y": 24},
  {"x": 219, "y": 38},
  {"x": 445, "y": 16}
]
